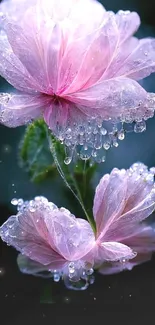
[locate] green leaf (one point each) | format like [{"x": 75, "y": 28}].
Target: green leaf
[{"x": 34, "y": 153}]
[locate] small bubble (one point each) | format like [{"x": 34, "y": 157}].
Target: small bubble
[
  {"x": 6, "y": 149},
  {"x": 67, "y": 300},
  {"x": 95, "y": 298}
]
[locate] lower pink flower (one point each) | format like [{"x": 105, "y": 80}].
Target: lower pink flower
[{"x": 67, "y": 245}]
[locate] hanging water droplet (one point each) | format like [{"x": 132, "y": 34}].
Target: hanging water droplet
[
  {"x": 140, "y": 127},
  {"x": 85, "y": 154},
  {"x": 121, "y": 135}
]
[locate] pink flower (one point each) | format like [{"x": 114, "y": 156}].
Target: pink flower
[
  {"x": 56, "y": 239},
  {"x": 77, "y": 66}
]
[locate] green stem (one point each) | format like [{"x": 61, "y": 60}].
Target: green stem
[{"x": 62, "y": 174}]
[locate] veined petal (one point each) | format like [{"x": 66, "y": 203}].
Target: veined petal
[
  {"x": 112, "y": 98},
  {"x": 19, "y": 109},
  {"x": 38, "y": 54},
  {"x": 13, "y": 70},
  {"x": 113, "y": 251},
  {"x": 91, "y": 55},
  {"x": 128, "y": 23},
  {"x": 109, "y": 200},
  {"x": 142, "y": 239},
  {"x": 22, "y": 232},
  {"x": 73, "y": 237},
  {"x": 140, "y": 62}
]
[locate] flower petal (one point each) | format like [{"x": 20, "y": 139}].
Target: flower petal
[
  {"x": 109, "y": 200},
  {"x": 142, "y": 240},
  {"x": 91, "y": 55},
  {"x": 12, "y": 69},
  {"x": 16, "y": 110},
  {"x": 23, "y": 233},
  {"x": 128, "y": 23},
  {"x": 113, "y": 251},
  {"x": 38, "y": 54},
  {"x": 139, "y": 203},
  {"x": 113, "y": 98},
  {"x": 73, "y": 237},
  {"x": 140, "y": 62}
]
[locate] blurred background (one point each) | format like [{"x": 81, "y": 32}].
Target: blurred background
[{"x": 123, "y": 292}]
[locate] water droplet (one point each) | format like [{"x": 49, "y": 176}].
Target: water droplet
[
  {"x": 106, "y": 145},
  {"x": 56, "y": 277},
  {"x": 14, "y": 201},
  {"x": 68, "y": 160},
  {"x": 121, "y": 135},
  {"x": 140, "y": 127},
  {"x": 90, "y": 271}
]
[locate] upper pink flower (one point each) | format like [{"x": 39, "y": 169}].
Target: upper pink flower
[
  {"x": 76, "y": 65},
  {"x": 55, "y": 238}
]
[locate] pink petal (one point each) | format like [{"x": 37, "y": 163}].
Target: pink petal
[
  {"x": 73, "y": 237},
  {"x": 38, "y": 54},
  {"x": 140, "y": 62},
  {"x": 128, "y": 23},
  {"x": 122, "y": 53},
  {"x": 124, "y": 225},
  {"x": 88, "y": 13},
  {"x": 65, "y": 114},
  {"x": 113, "y": 251},
  {"x": 142, "y": 240},
  {"x": 20, "y": 231},
  {"x": 122, "y": 200},
  {"x": 140, "y": 182},
  {"x": 16, "y": 110},
  {"x": 109, "y": 200},
  {"x": 112, "y": 98},
  {"x": 57, "y": 114},
  {"x": 14, "y": 9},
  {"x": 91, "y": 55},
  {"x": 13, "y": 70}
]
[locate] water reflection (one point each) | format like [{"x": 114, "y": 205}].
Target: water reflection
[{"x": 28, "y": 266}]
